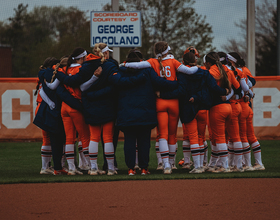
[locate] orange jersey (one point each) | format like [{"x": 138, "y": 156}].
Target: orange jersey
[
  {"x": 92, "y": 57},
  {"x": 170, "y": 65},
  {"x": 75, "y": 92},
  {"x": 247, "y": 72},
  {"x": 214, "y": 71}
]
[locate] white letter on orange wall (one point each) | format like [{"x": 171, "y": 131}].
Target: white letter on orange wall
[{"x": 7, "y": 114}]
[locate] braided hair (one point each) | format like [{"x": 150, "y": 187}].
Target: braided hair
[{"x": 160, "y": 47}]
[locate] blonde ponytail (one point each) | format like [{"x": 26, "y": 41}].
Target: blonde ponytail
[{"x": 98, "y": 51}]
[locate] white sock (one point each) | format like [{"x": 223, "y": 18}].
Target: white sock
[
  {"x": 172, "y": 153},
  {"x": 82, "y": 158},
  {"x": 109, "y": 154},
  {"x": 93, "y": 153},
  {"x": 86, "y": 153},
  {"x": 46, "y": 155},
  {"x": 256, "y": 147},
  {"x": 214, "y": 155},
  {"x": 201, "y": 147},
  {"x": 230, "y": 154},
  {"x": 158, "y": 153},
  {"x": 69, "y": 152},
  {"x": 223, "y": 154},
  {"x": 164, "y": 152},
  {"x": 238, "y": 149},
  {"x": 247, "y": 153},
  {"x": 186, "y": 151},
  {"x": 195, "y": 150}
]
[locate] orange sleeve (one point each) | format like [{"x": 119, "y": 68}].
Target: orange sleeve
[
  {"x": 247, "y": 72},
  {"x": 176, "y": 64}
]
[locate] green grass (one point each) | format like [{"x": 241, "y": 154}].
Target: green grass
[{"x": 21, "y": 163}]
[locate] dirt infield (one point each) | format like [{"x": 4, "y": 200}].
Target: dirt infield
[{"x": 159, "y": 199}]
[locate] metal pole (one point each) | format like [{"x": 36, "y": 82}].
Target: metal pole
[
  {"x": 116, "y": 53},
  {"x": 278, "y": 37},
  {"x": 251, "y": 55}
]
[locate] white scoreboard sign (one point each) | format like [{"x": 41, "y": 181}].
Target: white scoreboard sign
[{"x": 116, "y": 29}]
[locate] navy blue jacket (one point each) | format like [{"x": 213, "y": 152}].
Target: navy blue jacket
[
  {"x": 84, "y": 74},
  {"x": 100, "y": 100},
  {"x": 201, "y": 86},
  {"x": 137, "y": 103},
  {"x": 47, "y": 119}
]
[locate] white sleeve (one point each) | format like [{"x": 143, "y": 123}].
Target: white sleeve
[
  {"x": 47, "y": 100},
  {"x": 88, "y": 83},
  {"x": 187, "y": 70},
  {"x": 249, "y": 83},
  {"x": 251, "y": 93},
  {"x": 138, "y": 65},
  {"x": 244, "y": 85},
  {"x": 53, "y": 85},
  {"x": 237, "y": 96},
  {"x": 230, "y": 94}
]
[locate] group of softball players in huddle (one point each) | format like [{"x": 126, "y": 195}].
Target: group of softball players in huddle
[{"x": 86, "y": 96}]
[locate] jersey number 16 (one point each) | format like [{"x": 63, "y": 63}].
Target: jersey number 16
[{"x": 166, "y": 70}]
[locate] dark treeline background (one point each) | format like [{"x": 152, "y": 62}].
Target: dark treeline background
[{"x": 56, "y": 31}]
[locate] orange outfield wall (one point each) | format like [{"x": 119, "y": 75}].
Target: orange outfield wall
[{"x": 18, "y": 105}]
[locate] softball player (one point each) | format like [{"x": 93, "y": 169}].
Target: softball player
[
  {"x": 46, "y": 150},
  {"x": 246, "y": 125},
  {"x": 167, "y": 109},
  {"x": 195, "y": 93},
  {"x": 234, "y": 145},
  {"x": 221, "y": 112}
]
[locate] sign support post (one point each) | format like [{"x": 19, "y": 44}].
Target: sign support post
[{"x": 116, "y": 53}]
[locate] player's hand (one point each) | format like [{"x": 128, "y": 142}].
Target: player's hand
[
  {"x": 246, "y": 98},
  {"x": 191, "y": 100},
  {"x": 122, "y": 64},
  {"x": 98, "y": 71},
  {"x": 227, "y": 91},
  {"x": 224, "y": 98},
  {"x": 158, "y": 94}
]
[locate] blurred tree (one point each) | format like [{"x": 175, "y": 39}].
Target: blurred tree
[
  {"x": 43, "y": 32},
  {"x": 266, "y": 39},
  {"x": 173, "y": 21}
]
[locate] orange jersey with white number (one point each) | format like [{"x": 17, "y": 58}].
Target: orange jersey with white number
[{"x": 170, "y": 66}]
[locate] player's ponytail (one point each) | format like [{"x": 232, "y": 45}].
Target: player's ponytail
[
  {"x": 214, "y": 59},
  {"x": 161, "y": 48},
  {"x": 98, "y": 51},
  {"x": 63, "y": 62}
]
